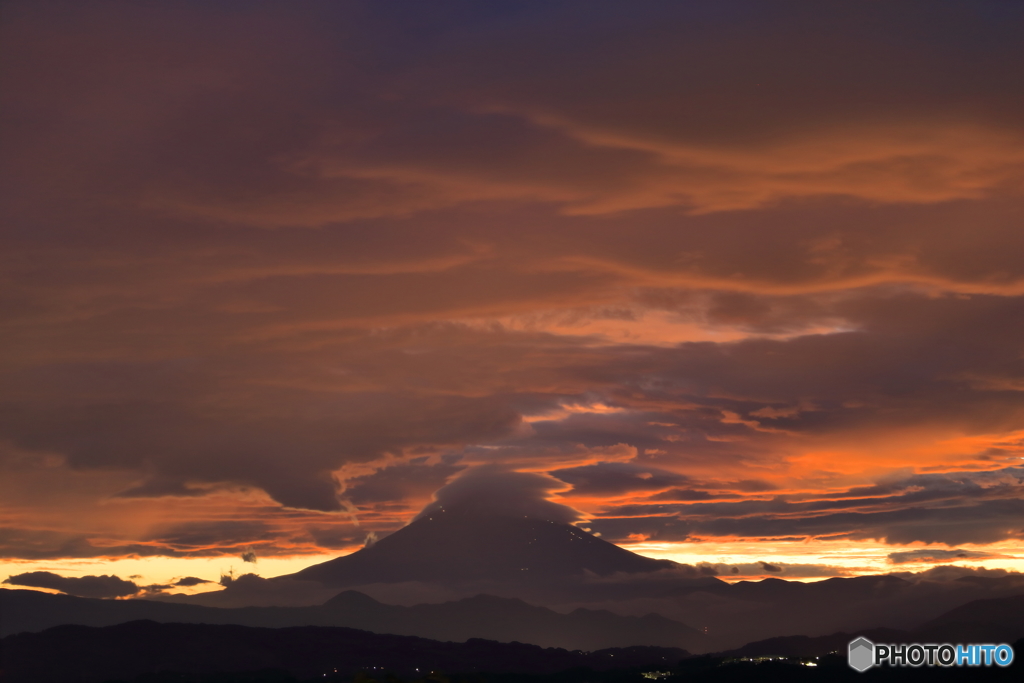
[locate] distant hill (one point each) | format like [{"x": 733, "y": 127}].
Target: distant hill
[
  {"x": 319, "y": 645},
  {"x": 998, "y": 620},
  {"x": 501, "y": 619},
  {"x": 665, "y": 609},
  {"x": 145, "y": 648},
  {"x": 980, "y": 621},
  {"x": 749, "y": 611},
  {"x": 460, "y": 545}
]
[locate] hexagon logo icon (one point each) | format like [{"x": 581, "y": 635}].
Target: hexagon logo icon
[{"x": 862, "y": 654}]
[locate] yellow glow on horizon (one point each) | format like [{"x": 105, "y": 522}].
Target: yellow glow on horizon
[
  {"x": 164, "y": 570},
  {"x": 800, "y": 561},
  {"x": 847, "y": 558}
]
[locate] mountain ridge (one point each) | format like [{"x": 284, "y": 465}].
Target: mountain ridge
[{"x": 483, "y": 616}]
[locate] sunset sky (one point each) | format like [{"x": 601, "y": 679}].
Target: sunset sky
[{"x": 746, "y": 279}]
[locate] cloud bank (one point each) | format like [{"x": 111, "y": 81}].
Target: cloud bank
[
  {"x": 272, "y": 277},
  {"x": 494, "y": 490},
  {"x": 105, "y": 586}
]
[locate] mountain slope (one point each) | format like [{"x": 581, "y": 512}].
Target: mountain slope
[{"x": 452, "y": 546}]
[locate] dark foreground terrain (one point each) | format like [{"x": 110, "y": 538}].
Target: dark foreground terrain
[{"x": 148, "y": 652}]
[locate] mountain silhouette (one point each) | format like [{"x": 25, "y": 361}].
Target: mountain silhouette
[
  {"x": 979, "y": 621},
  {"x": 483, "y": 616},
  {"x": 462, "y": 544}
]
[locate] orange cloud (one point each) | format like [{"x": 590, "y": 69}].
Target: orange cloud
[{"x": 730, "y": 277}]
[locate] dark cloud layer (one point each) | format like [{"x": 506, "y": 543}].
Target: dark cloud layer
[
  {"x": 409, "y": 480},
  {"x": 190, "y": 581},
  {"x": 490, "y": 489},
  {"x": 939, "y": 555},
  {"x": 105, "y": 586},
  {"x": 616, "y": 478},
  {"x": 724, "y": 269},
  {"x": 981, "y": 508}
]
